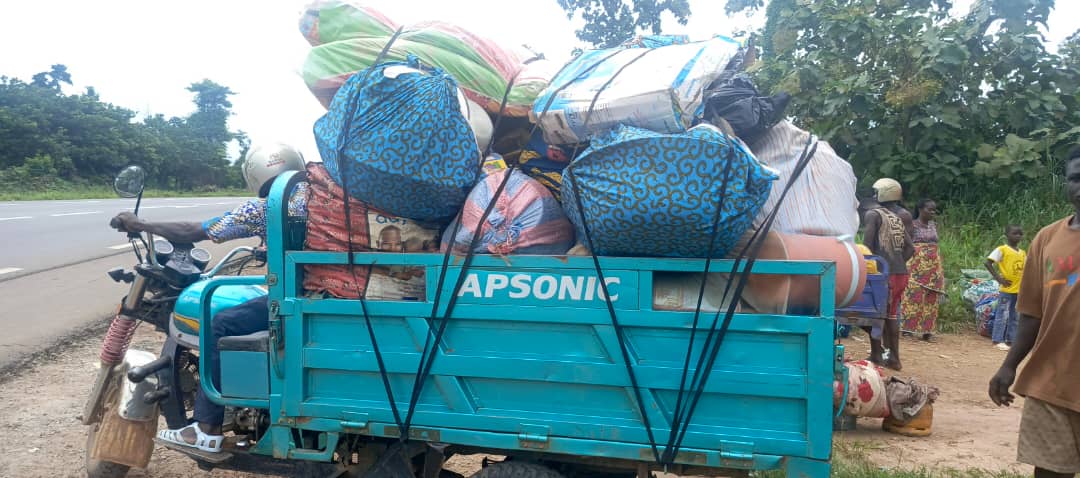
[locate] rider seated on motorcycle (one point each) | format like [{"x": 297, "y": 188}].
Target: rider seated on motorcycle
[{"x": 261, "y": 166}]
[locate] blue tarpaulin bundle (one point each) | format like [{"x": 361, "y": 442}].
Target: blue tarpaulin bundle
[
  {"x": 408, "y": 149},
  {"x": 651, "y": 194}
]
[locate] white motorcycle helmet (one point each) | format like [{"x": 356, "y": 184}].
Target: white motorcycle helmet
[
  {"x": 265, "y": 162},
  {"x": 888, "y": 190}
]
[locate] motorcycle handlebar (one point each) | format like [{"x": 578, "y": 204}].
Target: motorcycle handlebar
[{"x": 225, "y": 260}]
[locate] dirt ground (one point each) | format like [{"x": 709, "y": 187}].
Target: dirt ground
[
  {"x": 969, "y": 431},
  {"x": 41, "y": 402}
]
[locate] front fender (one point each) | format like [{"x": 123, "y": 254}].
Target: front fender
[
  {"x": 124, "y": 432},
  {"x": 131, "y": 405}
]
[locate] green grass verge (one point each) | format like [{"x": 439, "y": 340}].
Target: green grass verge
[
  {"x": 106, "y": 193},
  {"x": 852, "y": 460}
]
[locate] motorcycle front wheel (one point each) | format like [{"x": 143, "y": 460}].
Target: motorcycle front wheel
[{"x": 101, "y": 468}]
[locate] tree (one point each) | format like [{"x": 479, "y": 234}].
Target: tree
[
  {"x": 210, "y": 96},
  {"x": 207, "y": 134},
  {"x": 609, "y": 23},
  {"x": 902, "y": 89},
  {"x": 48, "y": 139},
  {"x": 236, "y": 170},
  {"x": 53, "y": 78},
  {"x": 243, "y": 141},
  {"x": 1070, "y": 51},
  {"x": 212, "y": 111},
  {"x": 735, "y": 6}
]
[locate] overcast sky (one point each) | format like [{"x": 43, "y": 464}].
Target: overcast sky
[{"x": 142, "y": 54}]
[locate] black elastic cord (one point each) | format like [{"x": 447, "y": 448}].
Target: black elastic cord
[
  {"x": 555, "y": 93},
  {"x": 669, "y": 455},
  {"x": 362, "y": 296},
  {"x": 596, "y": 260},
  {"x": 754, "y": 246},
  {"x": 427, "y": 357},
  {"x": 427, "y": 361},
  {"x": 712, "y": 347},
  {"x": 592, "y": 104},
  {"x": 614, "y": 320}
]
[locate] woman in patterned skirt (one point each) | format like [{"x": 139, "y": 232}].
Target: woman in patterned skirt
[{"x": 926, "y": 287}]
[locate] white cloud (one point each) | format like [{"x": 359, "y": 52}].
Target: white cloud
[{"x": 142, "y": 54}]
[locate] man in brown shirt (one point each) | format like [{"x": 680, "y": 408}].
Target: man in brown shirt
[{"x": 1049, "y": 336}]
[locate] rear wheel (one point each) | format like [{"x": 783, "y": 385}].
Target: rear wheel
[
  {"x": 514, "y": 469},
  {"x": 100, "y": 468}
]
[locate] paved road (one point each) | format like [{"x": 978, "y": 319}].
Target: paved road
[
  {"x": 41, "y": 235},
  {"x": 38, "y": 311}
]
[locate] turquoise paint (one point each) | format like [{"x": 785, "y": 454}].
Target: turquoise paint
[
  {"x": 511, "y": 365},
  {"x": 248, "y": 372},
  {"x": 207, "y": 346},
  {"x": 189, "y": 307}
]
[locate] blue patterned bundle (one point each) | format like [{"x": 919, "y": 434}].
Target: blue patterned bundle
[
  {"x": 409, "y": 150},
  {"x": 652, "y": 194}
]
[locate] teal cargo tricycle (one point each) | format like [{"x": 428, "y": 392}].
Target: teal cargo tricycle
[{"x": 528, "y": 361}]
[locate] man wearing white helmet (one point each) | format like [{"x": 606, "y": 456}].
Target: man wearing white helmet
[
  {"x": 888, "y": 234},
  {"x": 261, "y": 165}
]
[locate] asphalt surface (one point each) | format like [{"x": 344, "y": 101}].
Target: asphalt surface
[
  {"x": 41, "y": 235},
  {"x": 53, "y": 285}
]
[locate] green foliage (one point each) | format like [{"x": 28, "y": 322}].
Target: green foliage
[
  {"x": 949, "y": 106},
  {"x": 50, "y": 141},
  {"x": 1070, "y": 51},
  {"x": 609, "y": 23},
  {"x": 969, "y": 229},
  {"x": 973, "y": 111},
  {"x": 734, "y": 6},
  {"x": 52, "y": 78}
]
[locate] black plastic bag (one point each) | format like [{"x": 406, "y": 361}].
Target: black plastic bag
[{"x": 736, "y": 100}]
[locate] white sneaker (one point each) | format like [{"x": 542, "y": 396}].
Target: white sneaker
[{"x": 1002, "y": 346}]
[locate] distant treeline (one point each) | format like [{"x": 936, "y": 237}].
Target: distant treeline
[{"x": 51, "y": 140}]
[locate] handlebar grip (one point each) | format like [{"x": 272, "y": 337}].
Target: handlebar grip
[
  {"x": 138, "y": 374},
  {"x": 259, "y": 254},
  {"x": 155, "y": 396}
]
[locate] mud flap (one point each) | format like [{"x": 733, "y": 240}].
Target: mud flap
[
  {"x": 393, "y": 463},
  {"x": 121, "y": 441}
]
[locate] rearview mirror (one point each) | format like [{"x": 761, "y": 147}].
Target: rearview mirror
[{"x": 129, "y": 182}]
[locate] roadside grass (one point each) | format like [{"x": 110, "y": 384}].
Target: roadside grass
[
  {"x": 91, "y": 192},
  {"x": 852, "y": 460}
]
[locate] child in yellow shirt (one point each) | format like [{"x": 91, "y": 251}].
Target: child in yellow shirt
[{"x": 1006, "y": 265}]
